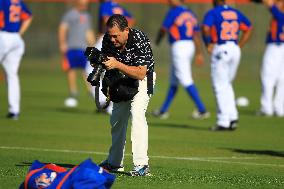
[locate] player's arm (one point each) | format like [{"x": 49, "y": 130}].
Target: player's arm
[
  {"x": 206, "y": 34},
  {"x": 199, "y": 59},
  {"x": 245, "y": 37},
  {"x": 246, "y": 28},
  {"x": 161, "y": 33},
  {"x": 25, "y": 17},
  {"x": 90, "y": 37},
  {"x": 268, "y": 3},
  {"x": 62, "y": 36},
  {"x": 25, "y": 25}
]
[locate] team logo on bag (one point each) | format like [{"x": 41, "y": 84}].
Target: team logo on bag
[{"x": 45, "y": 180}]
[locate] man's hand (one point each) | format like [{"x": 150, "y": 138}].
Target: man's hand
[
  {"x": 111, "y": 63},
  {"x": 210, "y": 48},
  {"x": 199, "y": 59}
]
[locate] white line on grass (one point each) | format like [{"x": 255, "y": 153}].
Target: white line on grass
[{"x": 204, "y": 159}]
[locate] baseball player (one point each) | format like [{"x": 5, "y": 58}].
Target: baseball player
[
  {"x": 183, "y": 29},
  {"x": 15, "y": 18},
  {"x": 75, "y": 34},
  {"x": 225, "y": 24},
  {"x": 106, "y": 9},
  {"x": 272, "y": 76}
]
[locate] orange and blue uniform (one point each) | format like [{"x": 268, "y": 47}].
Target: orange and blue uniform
[
  {"x": 12, "y": 14},
  {"x": 226, "y": 23},
  {"x": 272, "y": 78},
  {"x": 181, "y": 23},
  {"x": 276, "y": 32}
]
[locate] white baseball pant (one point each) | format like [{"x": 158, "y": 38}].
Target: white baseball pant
[
  {"x": 11, "y": 52},
  {"x": 89, "y": 69},
  {"x": 272, "y": 77},
  {"x": 225, "y": 61},
  {"x": 182, "y": 54},
  {"x": 139, "y": 130}
]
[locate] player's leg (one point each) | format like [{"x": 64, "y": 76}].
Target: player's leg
[
  {"x": 162, "y": 112},
  {"x": 268, "y": 80},
  {"x": 182, "y": 54},
  {"x": 233, "y": 68},
  {"x": 172, "y": 90},
  {"x": 11, "y": 63},
  {"x": 72, "y": 83},
  {"x": 279, "y": 92},
  {"x": 221, "y": 84},
  {"x": 73, "y": 57},
  {"x": 119, "y": 122}
]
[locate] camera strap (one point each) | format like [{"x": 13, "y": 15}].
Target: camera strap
[{"x": 97, "y": 98}]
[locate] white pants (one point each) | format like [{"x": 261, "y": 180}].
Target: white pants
[
  {"x": 225, "y": 61},
  {"x": 88, "y": 70},
  {"x": 139, "y": 131},
  {"x": 272, "y": 77},
  {"x": 11, "y": 52},
  {"x": 182, "y": 54}
]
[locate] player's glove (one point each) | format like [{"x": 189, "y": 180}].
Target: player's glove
[{"x": 256, "y": 1}]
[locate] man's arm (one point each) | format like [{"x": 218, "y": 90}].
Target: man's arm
[
  {"x": 268, "y": 3},
  {"x": 135, "y": 72},
  {"x": 199, "y": 59},
  {"x": 62, "y": 34},
  {"x": 160, "y": 36},
  {"x": 90, "y": 37},
  {"x": 245, "y": 37},
  {"x": 206, "y": 32},
  {"x": 25, "y": 25}
]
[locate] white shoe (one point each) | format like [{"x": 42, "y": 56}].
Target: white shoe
[
  {"x": 71, "y": 102},
  {"x": 157, "y": 113},
  {"x": 198, "y": 115}
]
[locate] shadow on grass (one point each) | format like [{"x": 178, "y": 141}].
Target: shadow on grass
[
  {"x": 175, "y": 125},
  {"x": 259, "y": 152},
  {"x": 27, "y": 164}
]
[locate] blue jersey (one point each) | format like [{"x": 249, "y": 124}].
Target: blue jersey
[
  {"x": 226, "y": 23},
  {"x": 180, "y": 23},
  {"x": 110, "y": 8},
  {"x": 12, "y": 14},
  {"x": 276, "y": 32}
]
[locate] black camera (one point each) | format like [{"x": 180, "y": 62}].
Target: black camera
[{"x": 96, "y": 58}]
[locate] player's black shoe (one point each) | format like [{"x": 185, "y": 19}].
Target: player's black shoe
[
  {"x": 111, "y": 168},
  {"x": 221, "y": 128},
  {"x": 12, "y": 116},
  {"x": 234, "y": 124},
  {"x": 140, "y": 170}
]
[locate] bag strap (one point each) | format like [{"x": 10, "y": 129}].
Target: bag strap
[{"x": 65, "y": 177}]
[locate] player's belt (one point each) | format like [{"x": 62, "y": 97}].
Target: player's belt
[{"x": 226, "y": 42}]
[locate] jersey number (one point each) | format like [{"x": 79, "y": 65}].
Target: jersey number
[
  {"x": 189, "y": 28},
  {"x": 230, "y": 30},
  {"x": 15, "y": 11}
]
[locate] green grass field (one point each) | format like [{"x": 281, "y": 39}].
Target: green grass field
[{"x": 183, "y": 152}]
